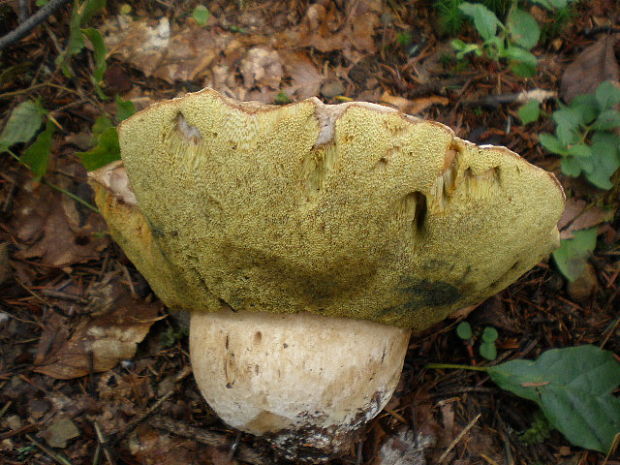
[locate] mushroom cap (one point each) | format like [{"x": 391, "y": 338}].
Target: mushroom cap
[{"x": 353, "y": 210}]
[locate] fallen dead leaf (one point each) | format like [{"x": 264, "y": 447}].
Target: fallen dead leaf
[
  {"x": 584, "y": 286},
  {"x": 149, "y": 446},
  {"x": 327, "y": 29},
  {"x": 96, "y": 343},
  {"x": 306, "y": 79},
  {"x": 261, "y": 67},
  {"x": 60, "y": 432},
  {"x": 54, "y": 227},
  {"x": 412, "y": 106},
  {"x": 596, "y": 64},
  {"x": 578, "y": 215},
  {"x": 157, "y": 51}
]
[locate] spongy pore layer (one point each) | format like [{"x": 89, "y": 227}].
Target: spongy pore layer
[{"x": 352, "y": 210}]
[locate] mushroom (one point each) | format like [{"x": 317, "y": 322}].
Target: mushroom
[{"x": 309, "y": 240}]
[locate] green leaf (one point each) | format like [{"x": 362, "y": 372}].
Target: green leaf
[
  {"x": 463, "y": 330},
  {"x": 607, "y": 95},
  {"x": 37, "y": 155},
  {"x": 551, "y": 143},
  {"x": 571, "y": 166},
  {"x": 580, "y": 150},
  {"x": 523, "y": 28},
  {"x": 608, "y": 120},
  {"x": 124, "y": 109},
  {"x": 201, "y": 14},
  {"x": 489, "y": 334},
  {"x": 568, "y": 122},
  {"x": 573, "y": 254},
  {"x": 573, "y": 387},
  {"x": 99, "y": 50},
  {"x": 484, "y": 19},
  {"x": 106, "y": 151},
  {"x": 488, "y": 350},
  {"x": 25, "y": 120},
  {"x": 529, "y": 112},
  {"x": 587, "y": 106},
  {"x": 102, "y": 123},
  {"x": 605, "y": 159},
  {"x": 522, "y": 62}
]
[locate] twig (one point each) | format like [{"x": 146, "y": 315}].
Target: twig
[
  {"x": 210, "y": 438},
  {"x": 458, "y": 438},
  {"x": 51, "y": 453},
  {"x": 134, "y": 423},
  {"x": 102, "y": 443},
  {"x": 24, "y": 28}
]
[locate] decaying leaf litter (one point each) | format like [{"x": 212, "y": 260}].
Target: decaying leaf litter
[{"x": 71, "y": 390}]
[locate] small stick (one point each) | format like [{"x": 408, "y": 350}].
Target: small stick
[
  {"x": 28, "y": 25},
  {"x": 132, "y": 424},
  {"x": 51, "y": 453},
  {"x": 102, "y": 443},
  {"x": 458, "y": 438}
]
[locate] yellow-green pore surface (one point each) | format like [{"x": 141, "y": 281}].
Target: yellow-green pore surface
[{"x": 352, "y": 210}]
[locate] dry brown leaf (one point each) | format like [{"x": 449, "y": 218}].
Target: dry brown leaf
[
  {"x": 327, "y": 29},
  {"x": 596, "y": 64},
  {"x": 97, "y": 343},
  {"x": 412, "y": 106},
  {"x": 56, "y": 228},
  {"x": 261, "y": 67},
  {"x": 306, "y": 79},
  {"x": 578, "y": 214},
  {"x": 157, "y": 51},
  {"x": 149, "y": 446}
]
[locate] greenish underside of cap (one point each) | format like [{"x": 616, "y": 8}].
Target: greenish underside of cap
[{"x": 351, "y": 211}]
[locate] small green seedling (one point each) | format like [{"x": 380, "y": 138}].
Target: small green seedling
[
  {"x": 572, "y": 386},
  {"x": 586, "y": 135},
  {"x": 538, "y": 432},
  {"x": 487, "y": 347},
  {"x": 201, "y": 15},
  {"x": 489, "y": 335}
]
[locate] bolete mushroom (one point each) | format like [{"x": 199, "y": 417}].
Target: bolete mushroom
[{"x": 309, "y": 240}]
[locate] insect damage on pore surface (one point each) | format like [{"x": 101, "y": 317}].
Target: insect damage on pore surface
[{"x": 192, "y": 133}]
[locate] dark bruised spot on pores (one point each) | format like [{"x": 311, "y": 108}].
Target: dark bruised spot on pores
[{"x": 423, "y": 293}]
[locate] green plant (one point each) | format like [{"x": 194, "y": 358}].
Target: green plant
[
  {"x": 573, "y": 254},
  {"x": 23, "y": 124},
  {"x": 106, "y": 148},
  {"x": 201, "y": 15},
  {"x": 586, "y": 137},
  {"x": 488, "y": 337},
  {"x": 81, "y": 14},
  {"x": 529, "y": 112},
  {"x": 451, "y": 18},
  {"x": 539, "y": 431},
  {"x": 511, "y": 40},
  {"x": 573, "y": 388}
]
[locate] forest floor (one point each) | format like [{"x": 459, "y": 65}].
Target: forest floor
[{"x": 66, "y": 288}]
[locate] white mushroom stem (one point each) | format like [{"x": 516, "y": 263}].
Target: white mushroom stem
[{"x": 307, "y": 383}]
